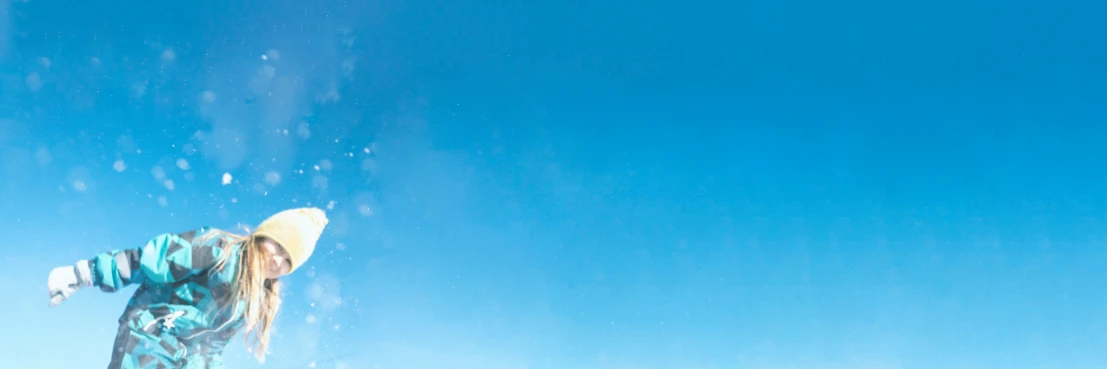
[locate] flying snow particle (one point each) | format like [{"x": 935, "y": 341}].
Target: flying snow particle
[
  {"x": 80, "y": 179},
  {"x": 159, "y": 174},
  {"x": 207, "y": 96},
  {"x": 163, "y": 201},
  {"x": 169, "y": 184},
  {"x": 227, "y": 179},
  {"x": 330, "y": 205},
  {"x": 304, "y": 131},
  {"x": 272, "y": 178},
  {"x": 119, "y": 165},
  {"x": 168, "y": 55},
  {"x": 326, "y": 164},
  {"x": 310, "y": 319},
  {"x": 183, "y": 164}
]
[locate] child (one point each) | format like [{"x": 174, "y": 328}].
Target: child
[{"x": 196, "y": 289}]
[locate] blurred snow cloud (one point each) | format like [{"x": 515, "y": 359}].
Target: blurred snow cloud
[
  {"x": 138, "y": 89},
  {"x": 325, "y": 293},
  {"x": 158, "y": 173},
  {"x": 34, "y": 81},
  {"x": 183, "y": 164},
  {"x": 126, "y": 144},
  {"x": 271, "y": 54},
  {"x": 42, "y": 156},
  {"x": 272, "y": 178},
  {"x": 80, "y": 179},
  {"x": 258, "y": 109}
]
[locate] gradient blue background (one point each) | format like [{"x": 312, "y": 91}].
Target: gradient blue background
[{"x": 595, "y": 185}]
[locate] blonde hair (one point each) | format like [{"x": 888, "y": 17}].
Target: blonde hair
[{"x": 261, "y": 296}]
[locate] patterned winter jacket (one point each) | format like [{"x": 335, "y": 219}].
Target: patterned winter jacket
[{"x": 178, "y": 302}]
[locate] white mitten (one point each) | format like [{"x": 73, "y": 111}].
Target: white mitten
[{"x": 64, "y": 281}]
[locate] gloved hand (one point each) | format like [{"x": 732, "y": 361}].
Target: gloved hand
[{"x": 64, "y": 281}]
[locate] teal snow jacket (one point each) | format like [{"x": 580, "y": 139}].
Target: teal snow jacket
[{"x": 181, "y": 305}]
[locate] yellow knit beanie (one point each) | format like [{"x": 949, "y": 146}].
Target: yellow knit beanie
[{"x": 297, "y": 230}]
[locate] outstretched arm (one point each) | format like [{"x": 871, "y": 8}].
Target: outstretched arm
[{"x": 167, "y": 258}]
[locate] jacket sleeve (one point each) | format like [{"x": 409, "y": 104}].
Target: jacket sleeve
[{"x": 167, "y": 258}]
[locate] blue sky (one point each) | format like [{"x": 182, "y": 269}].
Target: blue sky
[{"x": 578, "y": 184}]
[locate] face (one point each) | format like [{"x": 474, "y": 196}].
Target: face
[{"x": 275, "y": 257}]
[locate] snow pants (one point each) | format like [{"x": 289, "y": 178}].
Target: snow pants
[{"x": 136, "y": 349}]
